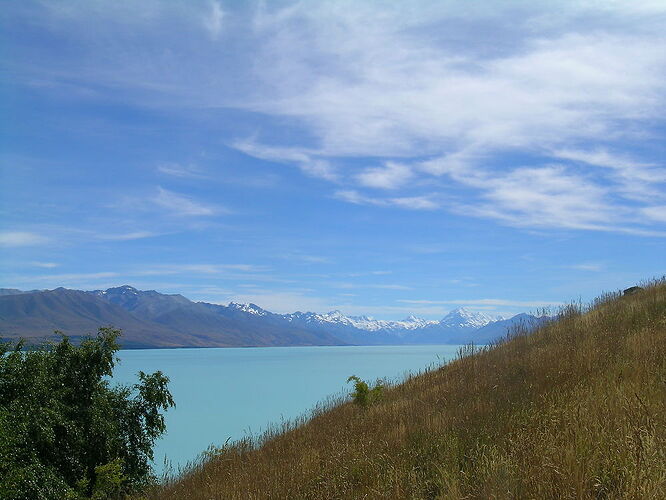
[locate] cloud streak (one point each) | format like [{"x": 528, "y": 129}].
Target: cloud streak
[
  {"x": 408, "y": 202},
  {"x": 21, "y": 239},
  {"x": 184, "y": 206}
]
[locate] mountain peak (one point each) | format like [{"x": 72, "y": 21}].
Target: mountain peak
[
  {"x": 122, "y": 289},
  {"x": 248, "y": 308},
  {"x": 462, "y": 317}
]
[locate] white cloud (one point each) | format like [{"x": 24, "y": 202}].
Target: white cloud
[
  {"x": 182, "y": 205},
  {"x": 135, "y": 235},
  {"x": 213, "y": 21},
  {"x": 546, "y": 197},
  {"x": 409, "y": 202},
  {"x": 387, "y": 91},
  {"x": 414, "y": 203},
  {"x": 391, "y": 176},
  {"x": 656, "y": 213},
  {"x": 178, "y": 170},
  {"x": 636, "y": 180},
  {"x": 21, "y": 239},
  {"x": 304, "y": 159},
  {"x": 47, "y": 265}
]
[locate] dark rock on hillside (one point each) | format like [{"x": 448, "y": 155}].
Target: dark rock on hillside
[{"x": 632, "y": 290}]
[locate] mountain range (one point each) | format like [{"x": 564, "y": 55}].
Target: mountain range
[{"x": 150, "y": 319}]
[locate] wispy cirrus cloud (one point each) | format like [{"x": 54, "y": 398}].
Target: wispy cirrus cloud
[
  {"x": 213, "y": 21},
  {"x": 634, "y": 179},
  {"x": 46, "y": 265},
  {"x": 132, "y": 235},
  {"x": 182, "y": 205},
  {"x": 21, "y": 239},
  {"x": 408, "y": 202},
  {"x": 181, "y": 170},
  {"x": 307, "y": 161},
  {"x": 391, "y": 176},
  {"x": 656, "y": 213},
  {"x": 540, "y": 197}
]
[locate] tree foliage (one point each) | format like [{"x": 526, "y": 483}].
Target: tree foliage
[{"x": 65, "y": 432}]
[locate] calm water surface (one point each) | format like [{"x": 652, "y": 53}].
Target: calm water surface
[{"x": 235, "y": 392}]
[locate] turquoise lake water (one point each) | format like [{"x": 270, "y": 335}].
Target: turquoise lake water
[{"x": 236, "y": 392}]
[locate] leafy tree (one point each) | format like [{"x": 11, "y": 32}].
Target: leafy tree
[{"x": 65, "y": 433}]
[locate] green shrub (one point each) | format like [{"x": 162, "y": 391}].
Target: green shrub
[
  {"x": 363, "y": 395},
  {"x": 65, "y": 433}
]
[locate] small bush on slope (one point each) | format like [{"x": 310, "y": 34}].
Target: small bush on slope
[
  {"x": 575, "y": 410},
  {"x": 363, "y": 395}
]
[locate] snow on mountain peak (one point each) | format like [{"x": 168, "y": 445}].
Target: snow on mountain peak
[
  {"x": 248, "y": 308},
  {"x": 462, "y": 317},
  {"x": 367, "y": 323},
  {"x": 458, "y": 318}
]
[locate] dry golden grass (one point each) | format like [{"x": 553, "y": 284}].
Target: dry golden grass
[{"x": 575, "y": 410}]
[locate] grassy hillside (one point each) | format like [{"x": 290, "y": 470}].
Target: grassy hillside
[{"x": 575, "y": 410}]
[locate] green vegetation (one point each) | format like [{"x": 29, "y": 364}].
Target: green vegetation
[
  {"x": 363, "y": 395},
  {"x": 64, "y": 432},
  {"x": 576, "y": 409}
]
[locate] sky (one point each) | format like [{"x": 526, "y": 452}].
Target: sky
[{"x": 380, "y": 158}]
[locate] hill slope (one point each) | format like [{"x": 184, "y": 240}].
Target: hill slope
[{"x": 575, "y": 410}]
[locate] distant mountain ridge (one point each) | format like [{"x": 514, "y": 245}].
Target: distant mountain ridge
[{"x": 153, "y": 319}]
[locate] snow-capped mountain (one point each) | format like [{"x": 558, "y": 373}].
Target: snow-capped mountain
[
  {"x": 367, "y": 323},
  {"x": 458, "y": 318},
  {"x": 464, "y": 318},
  {"x": 248, "y": 308}
]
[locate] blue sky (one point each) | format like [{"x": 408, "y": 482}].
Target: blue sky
[{"x": 376, "y": 158}]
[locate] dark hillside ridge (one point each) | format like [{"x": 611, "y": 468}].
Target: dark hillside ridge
[{"x": 153, "y": 319}]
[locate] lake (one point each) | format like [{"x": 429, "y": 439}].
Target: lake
[{"x": 230, "y": 393}]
